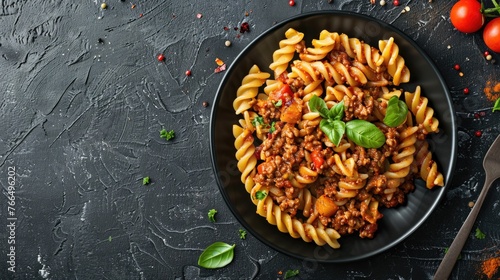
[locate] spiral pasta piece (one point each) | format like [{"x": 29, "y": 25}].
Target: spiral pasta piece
[
  {"x": 332, "y": 72},
  {"x": 249, "y": 89},
  {"x": 395, "y": 64},
  {"x": 245, "y": 155},
  {"x": 428, "y": 167},
  {"x": 286, "y": 51},
  {"x": 321, "y": 46},
  {"x": 424, "y": 114},
  {"x": 362, "y": 52}
]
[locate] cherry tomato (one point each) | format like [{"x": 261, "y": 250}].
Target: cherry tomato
[
  {"x": 491, "y": 35},
  {"x": 466, "y": 16},
  {"x": 284, "y": 94},
  {"x": 317, "y": 159}
]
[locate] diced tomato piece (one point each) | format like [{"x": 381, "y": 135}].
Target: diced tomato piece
[
  {"x": 284, "y": 94},
  {"x": 317, "y": 159}
]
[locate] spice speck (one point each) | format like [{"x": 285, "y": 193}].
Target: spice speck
[
  {"x": 204, "y": 104},
  {"x": 188, "y": 73},
  {"x": 245, "y": 27},
  {"x": 227, "y": 43},
  {"x": 161, "y": 57},
  {"x": 478, "y": 133},
  {"x": 199, "y": 15},
  {"x": 104, "y": 6},
  {"x": 291, "y": 3}
]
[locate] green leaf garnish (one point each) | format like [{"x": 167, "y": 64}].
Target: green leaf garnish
[
  {"x": 496, "y": 107},
  {"x": 317, "y": 104},
  {"x": 365, "y": 134},
  {"x": 337, "y": 111},
  {"x": 479, "y": 234},
  {"x": 211, "y": 215},
  {"x": 278, "y": 103},
  {"x": 167, "y": 134},
  {"x": 273, "y": 128},
  {"x": 146, "y": 180},
  {"x": 217, "y": 255},
  {"x": 243, "y": 233},
  {"x": 291, "y": 273},
  {"x": 396, "y": 112},
  {"x": 334, "y": 130}
]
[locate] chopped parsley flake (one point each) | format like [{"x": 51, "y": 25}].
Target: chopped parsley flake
[
  {"x": 168, "y": 135},
  {"x": 496, "y": 106},
  {"x": 479, "y": 234},
  {"x": 146, "y": 180},
  {"x": 273, "y": 128},
  {"x": 257, "y": 121},
  {"x": 211, "y": 215},
  {"x": 260, "y": 195},
  {"x": 243, "y": 234}
]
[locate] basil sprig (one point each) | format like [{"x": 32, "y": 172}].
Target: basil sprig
[
  {"x": 217, "y": 255},
  {"x": 361, "y": 132},
  {"x": 396, "y": 112}
]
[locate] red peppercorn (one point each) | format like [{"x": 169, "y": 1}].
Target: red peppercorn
[
  {"x": 161, "y": 57},
  {"x": 188, "y": 72},
  {"x": 291, "y": 3},
  {"x": 478, "y": 133},
  {"x": 466, "y": 90},
  {"x": 456, "y": 67},
  {"x": 476, "y": 115},
  {"x": 486, "y": 53},
  {"x": 395, "y": 2}
]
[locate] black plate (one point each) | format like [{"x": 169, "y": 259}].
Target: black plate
[{"x": 398, "y": 223}]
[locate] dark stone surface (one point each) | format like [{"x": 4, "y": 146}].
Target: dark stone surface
[{"x": 83, "y": 99}]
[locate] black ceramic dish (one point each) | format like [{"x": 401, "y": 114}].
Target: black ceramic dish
[{"x": 397, "y": 223}]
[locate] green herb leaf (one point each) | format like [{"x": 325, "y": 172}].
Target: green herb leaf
[
  {"x": 257, "y": 121},
  {"x": 243, "y": 234},
  {"x": 278, "y": 103},
  {"x": 291, "y": 273},
  {"x": 211, "y": 215},
  {"x": 260, "y": 195},
  {"x": 167, "y": 134},
  {"x": 317, "y": 104},
  {"x": 273, "y": 128},
  {"x": 365, "y": 134},
  {"x": 216, "y": 255},
  {"x": 146, "y": 180},
  {"x": 333, "y": 129},
  {"x": 479, "y": 234},
  {"x": 337, "y": 111},
  {"x": 496, "y": 107},
  {"x": 396, "y": 112}
]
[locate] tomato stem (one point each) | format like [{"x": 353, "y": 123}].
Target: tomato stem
[{"x": 488, "y": 12}]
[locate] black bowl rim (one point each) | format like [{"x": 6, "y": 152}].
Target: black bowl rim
[{"x": 384, "y": 25}]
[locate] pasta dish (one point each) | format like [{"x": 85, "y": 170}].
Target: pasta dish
[{"x": 326, "y": 138}]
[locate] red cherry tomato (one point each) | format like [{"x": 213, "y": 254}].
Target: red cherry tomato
[
  {"x": 491, "y": 35},
  {"x": 466, "y": 16}
]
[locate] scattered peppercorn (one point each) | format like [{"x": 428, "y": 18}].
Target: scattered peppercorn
[
  {"x": 466, "y": 90},
  {"x": 471, "y": 204},
  {"x": 478, "y": 133},
  {"x": 456, "y": 67},
  {"x": 461, "y": 74},
  {"x": 100, "y": 41},
  {"x": 245, "y": 27},
  {"x": 291, "y": 3},
  {"x": 204, "y": 104},
  {"x": 477, "y": 116},
  {"x": 161, "y": 57},
  {"x": 104, "y": 6},
  {"x": 199, "y": 15},
  {"x": 395, "y": 2},
  {"x": 227, "y": 43}
]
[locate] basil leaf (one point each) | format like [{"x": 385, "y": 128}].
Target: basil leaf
[
  {"x": 396, "y": 112},
  {"x": 333, "y": 129},
  {"x": 317, "y": 104},
  {"x": 216, "y": 255},
  {"x": 365, "y": 134},
  {"x": 337, "y": 111},
  {"x": 496, "y": 107}
]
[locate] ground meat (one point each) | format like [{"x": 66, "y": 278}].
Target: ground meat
[{"x": 358, "y": 106}]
